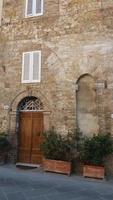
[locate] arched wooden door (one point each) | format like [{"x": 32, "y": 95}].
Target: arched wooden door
[
  {"x": 30, "y": 131},
  {"x": 30, "y": 137}
]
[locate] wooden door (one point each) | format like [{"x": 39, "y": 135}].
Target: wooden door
[
  {"x": 37, "y": 128},
  {"x": 25, "y": 137},
  {"x": 31, "y": 127}
]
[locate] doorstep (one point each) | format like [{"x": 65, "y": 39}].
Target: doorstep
[{"x": 19, "y": 164}]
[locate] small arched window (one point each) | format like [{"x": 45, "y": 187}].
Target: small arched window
[{"x": 30, "y": 104}]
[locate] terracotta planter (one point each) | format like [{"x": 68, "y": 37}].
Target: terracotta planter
[
  {"x": 93, "y": 172},
  {"x": 57, "y": 166}
]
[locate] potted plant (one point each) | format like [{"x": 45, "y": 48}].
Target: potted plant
[
  {"x": 92, "y": 154},
  {"x": 5, "y": 146},
  {"x": 58, "y": 151}
]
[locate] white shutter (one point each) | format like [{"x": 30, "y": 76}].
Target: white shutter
[
  {"x": 34, "y": 8},
  {"x": 31, "y": 68},
  {"x": 38, "y": 6},
  {"x": 26, "y": 67},
  {"x": 29, "y": 7},
  {"x": 36, "y": 66}
]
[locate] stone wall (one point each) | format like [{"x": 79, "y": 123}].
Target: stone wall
[
  {"x": 76, "y": 38},
  {"x": 1, "y": 4}
]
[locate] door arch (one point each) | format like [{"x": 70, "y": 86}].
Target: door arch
[
  {"x": 86, "y": 106},
  {"x": 30, "y": 118}
]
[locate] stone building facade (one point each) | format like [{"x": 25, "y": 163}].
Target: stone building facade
[{"x": 75, "y": 38}]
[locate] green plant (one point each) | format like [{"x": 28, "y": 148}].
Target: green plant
[
  {"x": 58, "y": 147},
  {"x": 5, "y": 145},
  {"x": 95, "y": 149}
]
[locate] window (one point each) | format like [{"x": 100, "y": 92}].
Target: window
[
  {"x": 31, "y": 67},
  {"x": 34, "y": 8},
  {"x": 1, "y": 4}
]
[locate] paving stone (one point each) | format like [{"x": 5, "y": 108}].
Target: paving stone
[
  {"x": 39, "y": 198},
  {"x": 107, "y": 197},
  {"x": 2, "y": 196},
  {"x": 15, "y": 196}
]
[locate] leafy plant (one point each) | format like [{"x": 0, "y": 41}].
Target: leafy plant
[
  {"x": 95, "y": 149},
  {"x": 58, "y": 147},
  {"x": 5, "y": 145}
]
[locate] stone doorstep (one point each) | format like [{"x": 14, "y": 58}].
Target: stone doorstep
[{"x": 19, "y": 164}]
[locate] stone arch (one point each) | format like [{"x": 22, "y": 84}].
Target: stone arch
[
  {"x": 84, "y": 75},
  {"x": 86, "y": 105},
  {"x": 13, "y": 125},
  {"x": 24, "y": 94}
]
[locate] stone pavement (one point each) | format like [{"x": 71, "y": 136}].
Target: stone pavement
[{"x": 16, "y": 184}]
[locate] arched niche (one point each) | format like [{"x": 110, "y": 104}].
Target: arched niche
[{"x": 86, "y": 105}]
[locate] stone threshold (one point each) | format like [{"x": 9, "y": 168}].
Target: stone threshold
[{"x": 27, "y": 165}]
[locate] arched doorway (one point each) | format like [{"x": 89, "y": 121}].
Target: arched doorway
[
  {"x": 86, "y": 108},
  {"x": 31, "y": 125}
]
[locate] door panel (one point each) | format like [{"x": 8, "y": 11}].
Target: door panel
[
  {"x": 25, "y": 137},
  {"x": 37, "y": 129},
  {"x": 31, "y": 128}
]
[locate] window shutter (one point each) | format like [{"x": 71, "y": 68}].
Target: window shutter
[
  {"x": 38, "y": 6},
  {"x": 26, "y": 67},
  {"x": 36, "y": 66},
  {"x": 29, "y": 7},
  {"x": 31, "y": 68}
]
